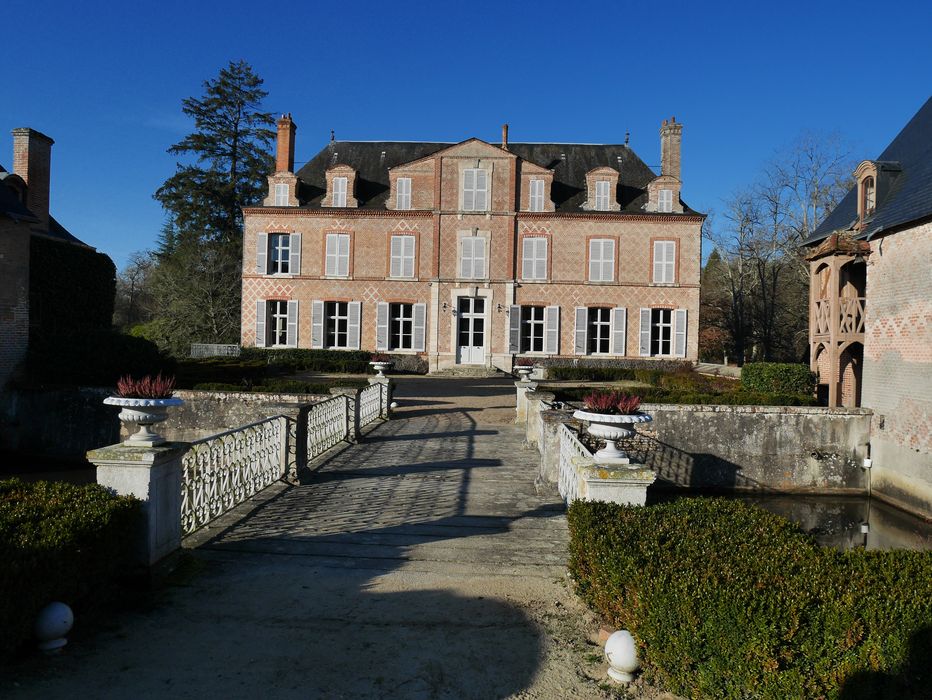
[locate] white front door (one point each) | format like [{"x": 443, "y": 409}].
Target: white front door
[{"x": 471, "y": 330}]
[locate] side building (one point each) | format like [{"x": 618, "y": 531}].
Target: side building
[
  {"x": 474, "y": 253},
  {"x": 870, "y": 317}
]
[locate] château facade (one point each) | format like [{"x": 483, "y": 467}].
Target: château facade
[{"x": 474, "y": 253}]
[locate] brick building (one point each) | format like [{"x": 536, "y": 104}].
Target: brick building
[
  {"x": 870, "y": 326},
  {"x": 472, "y": 253},
  {"x": 39, "y": 258}
]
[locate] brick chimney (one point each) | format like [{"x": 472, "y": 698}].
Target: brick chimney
[
  {"x": 504, "y": 137},
  {"x": 671, "y": 137},
  {"x": 284, "y": 158},
  {"x": 32, "y": 161}
]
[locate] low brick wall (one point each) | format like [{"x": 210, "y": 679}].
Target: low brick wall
[{"x": 775, "y": 448}]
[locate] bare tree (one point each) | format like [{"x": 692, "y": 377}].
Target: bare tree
[{"x": 133, "y": 291}]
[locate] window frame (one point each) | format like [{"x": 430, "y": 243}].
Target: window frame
[
  {"x": 603, "y": 193},
  {"x": 475, "y": 190},
  {"x": 400, "y": 316},
  {"x": 332, "y": 328},
  {"x": 339, "y": 193},
  {"x": 657, "y": 326},
  {"x": 474, "y": 241},
  {"x": 533, "y": 330},
  {"x": 536, "y": 263},
  {"x": 665, "y": 201},
  {"x": 336, "y": 256},
  {"x": 601, "y": 260},
  {"x": 402, "y": 257},
  {"x": 868, "y": 187},
  {"x": 276, "y": 323},
  {"x": 667, "y": 263},
  {"x": 276, "y": 250},
  {"x": 281, "y": 194},
  {"x": 536, "y": 189},
  {"x": 403, "y": 193},
  {"x": 598, "y": 330}
]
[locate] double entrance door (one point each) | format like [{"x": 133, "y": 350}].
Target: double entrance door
[{"x": 470, "y": 331}]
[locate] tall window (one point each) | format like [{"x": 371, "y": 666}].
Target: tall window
[
  {"x": 532, "y": 329},
  {"x": 536, "y": 198},
  {"x": 600, "y": 330},
  {"x": 661, "y": 331},
  {"x": 403, "y": 193},
  {"x": 601, "y": 260},
  {"x": 338, "y": 249},
  {"x": 402, "y": 256},
  {"x": 281, "y": 195},
  {"x": 401, "y": 326},
  {"x": 534, "y": 258},
  {"x": 339, "y": 192},
  {"x": 664, "y": 262},
  {"x": 870, "y": 196},
  {"x": 277, "y": 324},
  {"x": 666, "y": 201},
  {"x": 279, "y": 253},
  {"x": 475, "y": 189},
  {"x": 602, "y": 195},
  {"x": 472, "y": 257},
  {"x": 336, "y": 320}
]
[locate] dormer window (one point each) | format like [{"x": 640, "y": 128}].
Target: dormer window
[
  {"x": 403, "y": 193},
  {"x": 665, "y": 203},
  {"x": 281, "y": 195},
  {"x": 868, "y": 195},
  {"x": 339, "y": 191},
  {"x": 602, "y": 188},
  {"x": 536, "y": 199}
]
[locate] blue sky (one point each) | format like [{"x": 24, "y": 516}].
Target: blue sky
[{"x": 106, "y": 80}]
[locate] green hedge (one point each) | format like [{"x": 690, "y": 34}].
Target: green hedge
[
  {"x": 778, "y": 377},
  {"x": 91, "y": 357},
  {"x": 295, "y": 360},
  {"x": 697, "y": 398},
  {"x": 61, "y": 542},
  {"x": 285, "y": 386},
  {"x": 591, "y": 374},
  {"x": 728, "y": 601}
]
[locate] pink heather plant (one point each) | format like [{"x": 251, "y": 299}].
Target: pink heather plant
[
  {"x": 612, "y": 403},
  {"x": 148, "y": 387},
  {"x": 524, "y": 362}
]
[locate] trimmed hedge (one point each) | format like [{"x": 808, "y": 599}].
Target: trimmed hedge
[
  {"x": 589, "y": 362},
  {"x": 727, "y": 600},
  {"x": 295, "y": 360},
  {"x": 696, "y": 398},
  {"x": 285, "y": 386},
  {"x": 778, "y": 377},
  {"x": 61, "y": 542}
]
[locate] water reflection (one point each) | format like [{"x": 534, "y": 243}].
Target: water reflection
[{"x": 843, "y": 522}]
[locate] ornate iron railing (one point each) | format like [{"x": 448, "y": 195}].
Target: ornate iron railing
[
  {"x": 370, "y": 403},
  {"x": 222, "y": 471},
  {"x": 571, "y": 451},
  {"x": 851, "y": 312},
  {"x": 328, "y": 423}
]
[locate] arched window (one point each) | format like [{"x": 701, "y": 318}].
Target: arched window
[{"x": 868, "y": 196}]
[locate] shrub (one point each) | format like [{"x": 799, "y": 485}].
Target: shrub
[
  {"x": 711, "y": 398},
  {"x": 612, "y": 403},
  {"x": 296, "y": 386},
  {"x": 778, "y": 377},
  {"x": 237, "y": 371},
  {"x": 592, "y": 374},
  {"x": 148, "y": 387},
  {"x": 727, "y": 600},
  {"x": 61, "y": 542},
  {"x": 299, "y": 360}
]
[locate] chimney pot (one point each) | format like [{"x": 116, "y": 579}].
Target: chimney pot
[
  {"x": 505, "y": 137},
  {"x": 284, "y": 155},
  {"x": 32, "y": 161}
]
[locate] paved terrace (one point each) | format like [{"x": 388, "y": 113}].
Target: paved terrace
[{"x": 421, "y": 563}]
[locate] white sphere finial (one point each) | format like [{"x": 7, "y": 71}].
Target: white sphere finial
[
  {"x": 622, "y": 655},
  {"x": 52, "y": 624}
]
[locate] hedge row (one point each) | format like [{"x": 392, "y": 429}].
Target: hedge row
[
  {"x": 697, "y": 398},
  {"x": 728, "y": 601},
  {"x": 778, "y": 377},
  {"x": 593, "y": 362},
  {"x": 285, "y": 386},
  {"x": 59, "y": 542}
]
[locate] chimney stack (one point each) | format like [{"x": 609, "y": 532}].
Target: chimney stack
[
  {"x": 504, "y": 137},
  {"x": 284, "y": 157},
  {"x": 671, "y": 137},
  {"x": 32, "y": 161}
]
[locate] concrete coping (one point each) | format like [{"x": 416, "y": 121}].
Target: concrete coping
[
  {"x": 250, "y": 396},
  {"x": 615, "y": 472},
  {"x": 797, "y": 410}
]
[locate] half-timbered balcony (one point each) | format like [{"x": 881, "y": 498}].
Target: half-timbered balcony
[{"x": 846, "y": 324}]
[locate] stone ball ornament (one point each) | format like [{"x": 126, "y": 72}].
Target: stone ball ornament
[
  {"x": 52, "y": 624},
  {"x": 622, "y": 656}
]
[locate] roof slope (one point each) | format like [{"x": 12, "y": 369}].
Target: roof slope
[
  {"x": 12, "y": 207},
  {"x": 569, "y": 161},
  {"x": 909, "y": 197}
]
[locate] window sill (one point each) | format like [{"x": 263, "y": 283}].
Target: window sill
[
  {"x": 282, "y": 275},
  {"x": 664, "y": 284},
  {"x": 336, "y": 277},
  {"x": 401, "y": 279},
  {"x": 533, "y": 281}
]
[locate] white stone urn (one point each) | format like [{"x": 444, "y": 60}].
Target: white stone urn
[
  {"x": 523, "y": 372},
  {"x": 143, "y": 413},
  {"x": 611, "y": 428},
  {"x": 380, "y": 367}
]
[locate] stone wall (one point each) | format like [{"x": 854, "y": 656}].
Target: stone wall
[
  {"x": 793, "y": 449},
  {"x": 897, "y": 375}
]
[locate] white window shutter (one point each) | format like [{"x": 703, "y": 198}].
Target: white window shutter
[
  {"x": 381, "y": 326},
  {"x": 658, "y": 262},
  {"x": 595, "y": 261},
  {"x": 262, "y": 250},
  {"x": 352, "y": 325},
  {"x": 670, "y": 263},
  {"x": 619, "y": 330},
  {"x": 478, "y": 249},
  {"x": 679, "y": 333},
  {"x": 552, "y": 330},
  {"x": 644, "y": 346},
  {"x": 344, "y": 253},
  {"x": 527, "y": 258},
  {"x": 608, "y": 261},
  {"x": 418, "y": 341},
  {"x": 469, "y": 189},
  {"x": 540, "y": 262},
  {"x": 582, "y": 322},
  {"x": 260, "y": 324},
  {"x": 407, "y": 255},
  {"x": 396, "y": 257},
  {"x": 514, "y": 329},
  {"x": 291, "y": 337},
  {"x": 330, "y": 266},
  {"x": 317, "y": 324},
  {"x": 482, "y": 190},
  {"x": 466, "y": 257},
  {"x": 294, "y": 261}
]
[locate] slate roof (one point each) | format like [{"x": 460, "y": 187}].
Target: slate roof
[
  {"x": 569, "y": 161},
  {"x": 907, "y": 163}
]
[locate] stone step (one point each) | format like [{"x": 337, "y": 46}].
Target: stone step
[{"x": 480, "y": 372}]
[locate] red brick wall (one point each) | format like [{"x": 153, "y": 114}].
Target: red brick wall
[{"x": 14, "y": 295}]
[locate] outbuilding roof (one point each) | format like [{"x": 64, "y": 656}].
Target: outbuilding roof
[{"x": 907, "y": 161}]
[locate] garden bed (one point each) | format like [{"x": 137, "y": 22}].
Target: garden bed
[{"x": 727, "y": 600}]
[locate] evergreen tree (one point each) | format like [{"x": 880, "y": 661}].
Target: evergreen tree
[{"x": 195, "y": 287}]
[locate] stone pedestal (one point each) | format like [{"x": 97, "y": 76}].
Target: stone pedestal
[
  {"x": 616, "y": 482},
  {"x": 523, "y": 387},
  {"x": 153, "y": 475}
]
